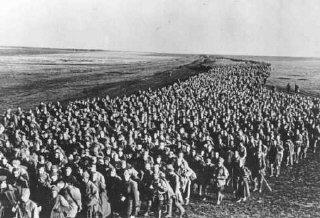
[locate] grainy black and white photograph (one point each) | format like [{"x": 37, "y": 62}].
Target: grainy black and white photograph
[{"x": 159, "y": 108}]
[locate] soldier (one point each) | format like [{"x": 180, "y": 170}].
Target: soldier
[
  {"x": 243, "y": 191},
  {"x": 27, "y": 208},
  {"x": 296, "y": 89},
  {"x": 130, "y": 196},
  {"x": 90, "y": 197},
  {"x": 176, "y": 198},
  {"x": 72, "y": 195},
  {"x": 221, "y": 175},
  {"x": 272, "y": 156},
  {"x": 260, "y": 164},
  {"x": 305, "y": 144},
  {"x": 98, "y": 180},
  {"x": 316, "y": 136},
  {"x": 298, "y": 140},
  {"x": 113, "y": 184},
  {"x": 235, "y": 171},
  {"x": 147, "y": 178},
  {"x": 19, "y": 181},
  {"x": 242, "y": 150},
  {"x": 279, "y": 155},
  {"x": 159, "y": 189},
  {"x": 288, "y": 88},
  {"x": 145, "y": 158},
  {"x": 68, "y": 175},
  {"x": 289, "y": 152},
  {"x": 58, "y": 205},
  {"x": 8, "y": 198},
  {"x": 43, "y": 185},
  {"x": 207, "y": 176},
  {"x": 184, "y": 171}
]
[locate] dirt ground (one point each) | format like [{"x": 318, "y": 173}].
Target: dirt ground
[{"x": 296, "y": 193}]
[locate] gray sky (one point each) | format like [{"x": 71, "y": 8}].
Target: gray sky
[{"x": 253, "y": 27}]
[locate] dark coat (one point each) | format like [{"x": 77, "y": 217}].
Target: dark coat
[{"x": 132, "y": 198}]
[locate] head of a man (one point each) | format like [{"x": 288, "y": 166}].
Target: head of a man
[
  {"x": 54, "y": 191},
  {"x": 68, "y": 171},
  {"x": 16, "y": 172},
  {"x": 25, "y": 195},
  {"x": 86, "y": 176},
  {"x": 93, "y": 168},
  {"x": 61, "y": 184},
  {"x": 3, "y": 182},
  {"x": 221, "y": 161},
  {"x": 126, "y": 175}
]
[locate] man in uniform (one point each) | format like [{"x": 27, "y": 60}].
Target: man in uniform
[
  {"x": 26, "y": 207},
  {"x": 185, "y": 172},
  {"x": 72, "y": 195},
  {"x": 221, "y": 175},
  {"x": 289, "y": 150},
  {"x": 8, "y": 198},
  {"x": 243, "y": 188},
  {"x": 90, "y": 197},
  {"x": 130, "y": 197},
  {"x": 159, "y": 190},
  {"x": 58, "y": 205},
  {"x": 113, "y": 184},
  {"x": 298, "y": 140},
  {"x": 174, "y": 182},
  {"x": 146, "y": 181},
  {"x": 279, "y": 155}
]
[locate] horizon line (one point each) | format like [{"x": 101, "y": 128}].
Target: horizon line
[{"x": 154, "y": 52}]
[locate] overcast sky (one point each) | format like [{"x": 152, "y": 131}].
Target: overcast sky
[{"x": 253, "y": 27}]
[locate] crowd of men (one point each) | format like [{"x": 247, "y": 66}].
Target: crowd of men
[{"x": 147, "y": 153}]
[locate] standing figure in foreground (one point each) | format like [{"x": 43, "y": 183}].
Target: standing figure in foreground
[
  {"x": 27, "y": 208},
  {"x": 58, "y": 205},
  {"x": 243, "y": 192},
  {"x": 185, "y": 172},
  {"x": 159, "y": 190},
  {"x": 297, "y": 145},
  {"x": 221, "y": 175},
  {"x": 90, "y": 197},
  {"x": 279, "y": 155},
  {"x": 8, "y": 198},
  {"x": 175, "y": 199},
  {"x": 72, "y": 195},
  {"x": 130, "y": 199}
]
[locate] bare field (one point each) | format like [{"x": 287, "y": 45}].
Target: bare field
[{"x": 28, "y": 77}]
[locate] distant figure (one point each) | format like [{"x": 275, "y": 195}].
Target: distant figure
[
  {"x": 288, "y": 88},
  {"x": 296, "y": 88}
]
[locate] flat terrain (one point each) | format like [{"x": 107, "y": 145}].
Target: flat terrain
[
  {"x": 28, "y": 76},
  {"x": 31, "y": 75}
]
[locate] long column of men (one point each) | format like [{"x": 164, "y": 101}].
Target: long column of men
[{"x": 146, "y": 154}]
